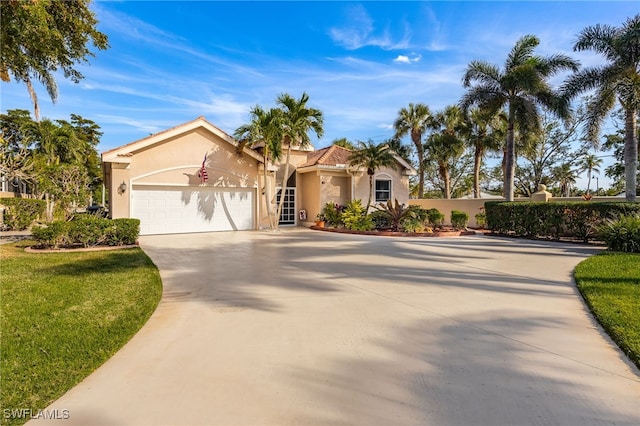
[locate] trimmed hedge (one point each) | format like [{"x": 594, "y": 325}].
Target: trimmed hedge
[
  {"x": 88, "y": 231},
  {"x": 459, "y": 219},
  {"x": 581, "y": 220},
  {"x": 20, "y": 213}
]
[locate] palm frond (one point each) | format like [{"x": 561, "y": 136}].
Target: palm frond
[
  {"x": 599, "y": 38},
  {"x": 483, "y": 72},
  {"x": 521, "y": 51}
]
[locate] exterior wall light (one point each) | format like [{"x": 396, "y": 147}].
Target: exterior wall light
[{"x": 123, "y": 187}]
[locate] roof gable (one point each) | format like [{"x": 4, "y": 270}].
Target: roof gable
[
  {"x": 122, "y": 153},
  {"x": 337, "y": 156}
]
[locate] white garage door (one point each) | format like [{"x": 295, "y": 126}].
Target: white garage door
[{"x": 166, "y": 210}]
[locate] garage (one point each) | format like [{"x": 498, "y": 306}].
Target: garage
[{"x": 173, "y": 210}]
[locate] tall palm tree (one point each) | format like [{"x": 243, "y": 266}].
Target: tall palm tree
[
  {"x": 414, "y": 120},
  {"x": 372, "y": 157},
  {"x": 445, "y": 144},
  {"x": 591, "y": 164},
  {"x": 484, "y": 132},
  {"x": 618, "y": 79},
  {"x": 298, "y": 120},
  {"x": 520, "y": 88},
  {"x": 264, "y": 128}
]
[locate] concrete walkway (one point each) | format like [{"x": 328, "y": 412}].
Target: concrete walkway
[{"x": 315, "y": 328}]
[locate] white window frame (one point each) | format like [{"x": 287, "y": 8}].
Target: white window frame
[{"x": 383, "y": 178}]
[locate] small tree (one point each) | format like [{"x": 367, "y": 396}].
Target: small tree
[{"x": 372, "y": 157}]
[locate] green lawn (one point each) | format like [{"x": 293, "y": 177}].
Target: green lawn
[
  {"x": 610, "y": 283},
  {"x": 63, "y": 315}
]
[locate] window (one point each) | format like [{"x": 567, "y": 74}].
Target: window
[{"x": 383, "y": 190}]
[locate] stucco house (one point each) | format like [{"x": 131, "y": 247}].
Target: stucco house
[{"x": 159, "y": 180}]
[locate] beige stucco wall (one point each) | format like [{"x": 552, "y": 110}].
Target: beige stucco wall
[
  {"x": 399, "y": 187},
  {"x": 473, "y": 206},
  {"x": 176, "y": 162},
  {"x": 309, "y": 195}
]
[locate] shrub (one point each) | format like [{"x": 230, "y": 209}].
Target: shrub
[
  {"x": 355, "y": 218},
  {"x": 435, "y": 217},
  {"x": 87, "y": 230},
  {"x": 622, "y": 234},
  {"x": 52, "y": 235},
  {"x": 379, "y": 220},
  {"x": 554, "y": 220},
  {"x": 20, "y": 213},
  {"x": 481, "y": 219},
  {"x": 459, "y": 219},
  {"x": 413, "y": 224},
  {"x": 123, "y": 232},
  {"x": 333, "y": 214}
]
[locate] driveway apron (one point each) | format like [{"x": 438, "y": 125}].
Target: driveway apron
[{"x": 313, "y": 328}]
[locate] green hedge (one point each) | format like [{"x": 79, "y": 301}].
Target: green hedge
[
  {"x": 20, "y": 213},
  {"x": 87, "y": 231},
  {"x": 581, "y": 220},
  {"x": 459, "y": 219}
]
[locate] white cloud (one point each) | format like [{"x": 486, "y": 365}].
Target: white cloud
[
  {"x": 404, "y": 59},
  {"x": 361, "y": 32}
]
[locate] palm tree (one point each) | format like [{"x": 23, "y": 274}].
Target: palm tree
[
  {"x": 445, "y": 144},
  {"x": 591, "y": 164},
  {"x": 372, "y": 157},
  {"x": 484, "y": 132},
  {"x": 618, "y": 79},
  {"x": 265, "y": 128},
  {"x": 566, "y": 177},
  {"x": 414, "y": 121},
  {"x": 298, "y": 121},
  {"x": 520, "y": 87}
]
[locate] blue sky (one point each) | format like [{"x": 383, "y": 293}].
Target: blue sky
[{"x": 360, "y": 62}]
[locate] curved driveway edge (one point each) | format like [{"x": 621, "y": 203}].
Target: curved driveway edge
[{"x": 303, "y": 327}]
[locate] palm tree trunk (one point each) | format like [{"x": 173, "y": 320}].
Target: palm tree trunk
[
  {"x": 366, "y": 212},
  {"x": 34, "y": 98},
  {"x": 510, "y": 164},
  {"x": 267, "y": 192},
  {"x": 630, "y": 154},
  {"x": 446, "y": 177},
  {"x": 588, "y": 179},
  {"x": 477, "y": 162},
  {"x": 416, "y": 137},
  {"x": 283, "y": 191}
]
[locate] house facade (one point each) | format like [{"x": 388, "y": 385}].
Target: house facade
[{"x": 160, "y": 180}]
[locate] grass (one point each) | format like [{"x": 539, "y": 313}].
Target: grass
[
  {"x": 610, "y": 284},
  {"x": 63, "y": 315}
]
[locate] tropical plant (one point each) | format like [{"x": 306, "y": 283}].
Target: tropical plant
[
  {"x": 372, "y": 157},
  {"x": 566, "y": 177},
  {"x": 446, "y": 145},
  {"x": 298, "y": 120},
  {"x": 395, "y": 213},
  {"x": 265, "y": 129},
  {"x": 622, "y": 234},
  {"x": 520, "y": 87},
  {"x": 42, "y": 37},
  {"x": 618, "y": 80},
  {"x": 344, "y": 143},
  {"x": 484, "y": 132},
  {"x": 355, "y": 217},
  {"x": 333, "y": 214},
  {"x": 414, "y": 120},
  {"x": 591, "y": 164}
]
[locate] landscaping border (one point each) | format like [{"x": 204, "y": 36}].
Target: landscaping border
[{"x": 397, "y": 233}]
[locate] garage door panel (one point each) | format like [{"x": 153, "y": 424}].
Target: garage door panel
[{"x": 164, "y": 210}]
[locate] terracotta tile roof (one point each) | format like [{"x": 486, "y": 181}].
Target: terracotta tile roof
[{"x": 330, "y": 156}]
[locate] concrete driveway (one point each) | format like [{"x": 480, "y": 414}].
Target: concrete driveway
[{"x": 313, "y": 328}]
